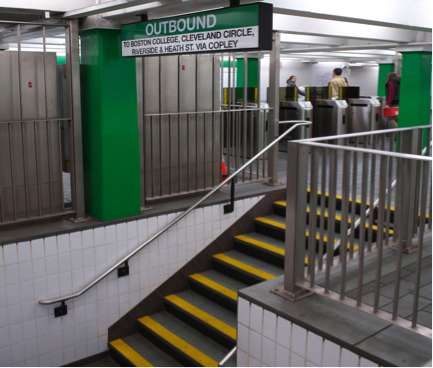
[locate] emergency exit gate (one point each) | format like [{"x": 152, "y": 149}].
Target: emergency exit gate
[
  {"x": 31, "y": 175},
  {"x": 186, "y": 131}
]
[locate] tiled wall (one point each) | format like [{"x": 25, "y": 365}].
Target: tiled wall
[
  {"x": 268, "y": 340},
  {"x": 48, "y": 267}
]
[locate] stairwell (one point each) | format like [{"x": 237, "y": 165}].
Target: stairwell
[{"x": 198, "y": 325}]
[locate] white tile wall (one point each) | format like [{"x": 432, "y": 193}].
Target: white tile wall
[
  {"x": 285, "y": 344},
  {"x": 30, "y": 335}
]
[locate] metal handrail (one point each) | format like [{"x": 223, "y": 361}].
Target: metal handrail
[
  {"x": 213, "y": 111},
  {"x": 232, "y": 352},
  {"x": 375, "y": 204},
  {"x": 177, "y": 219}
]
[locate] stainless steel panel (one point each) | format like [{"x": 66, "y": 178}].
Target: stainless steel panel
[{"x": 9, "y": 91}]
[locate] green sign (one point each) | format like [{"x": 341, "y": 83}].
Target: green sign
[{"x": 247, "y": 27}]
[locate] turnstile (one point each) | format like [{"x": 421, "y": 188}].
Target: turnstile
[
  {"x": 363, "y": 115},
  {"x": 329, "y": 118},
  {"x": 293, "y": 110}
]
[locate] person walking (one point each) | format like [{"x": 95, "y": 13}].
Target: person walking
[
  {"x": 337, "y": 82},
  {"x": 291, "y": 82},
  {"x": 392, "y": 89}
]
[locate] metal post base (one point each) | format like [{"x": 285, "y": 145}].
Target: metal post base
[
  {"x": 393, "y": 244},
  {"x": 146, "y": 208},
  {"x": 301, "y": 294},
  {"x": 273, "y": 184},
  {"x": 77, "y": 220}
]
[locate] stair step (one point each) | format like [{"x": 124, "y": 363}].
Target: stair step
[
  {"x": 245, "y": 268},
  {"x": 137, "y": 351},
  {"x": 262, "y": 247},
  {"x": 106, "y": 362},
  {"x": 205, "y": 316},
  {"x": 273, "y": 226},
  {"x": 184, "y": 343},
  {"x": 218, "y": 287}
]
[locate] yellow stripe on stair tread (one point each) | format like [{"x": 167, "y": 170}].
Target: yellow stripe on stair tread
[
  {"x": 214, "y": 285},
  {"x": 202, "y": 315},
  {"x": 260, "y": 244},
  {"x": 281, "y": 203},
  {"x": 179, "y": 343},
  {"x": 130, "y": 354},
  {"x": 255, "y": 271},
  {"x": 270, "y": 222}
]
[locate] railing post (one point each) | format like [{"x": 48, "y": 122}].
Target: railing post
[
  {"x": 296, "y": 217},
  {"x": 274, "y": 112},
  {"x": 405, "y": 198}
]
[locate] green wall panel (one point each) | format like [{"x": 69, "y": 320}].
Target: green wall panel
[
  {"x": 110, "y": 127},
  {"x": 253, "y": 70},
  {"x": 415, "y": 89},
  {"x": 384, "y": 69}
]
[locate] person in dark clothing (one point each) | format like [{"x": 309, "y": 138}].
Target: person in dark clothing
[
  {"x": 291, "y": 82},
  {"x": 392, "y": 88}
]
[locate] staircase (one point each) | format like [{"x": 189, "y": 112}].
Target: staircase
[{"x": 198, "y": 325}]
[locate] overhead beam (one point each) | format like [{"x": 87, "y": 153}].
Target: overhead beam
[{"x": 330, "y": 28}]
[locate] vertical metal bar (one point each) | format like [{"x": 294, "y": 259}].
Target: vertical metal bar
[
  {"x": 379, "y": 239},
  {"x": 400, "y": 187},
  {"x": 196, "y": 151},
  {"x": 344, "y": 221},
  {"x": 274, "y": 83},
  {"x": 259, "y": 61},
  {"x": 21, "y": 118},
  {"x": 371, "y": 199},
  {"x": 12, "y": 172},
  {"x": 424, "y": 184},
  {"x": 245, "y": 103},
  {"x": 264, "y": 145},
  {"x": 151, "y": 158},
  {"x": 333, "y": 169},
  {"x": 62, "y": 194},
  {"x": 430, "y": 207},
  {"x": 188, "y": 154},
  {"x": 139, "y": 78},
  {"x": 389, "y": 190},
  {"x": 204, "y": 150},
  {"x": 297, "y": 180},
  {"x": 322, "y": 207},
  {"x": 213, "y": 149},
  {"x": 251, "y": 125},
  {"x": 239, "y": 139},
  {"x": 179, "y": 179},
  {"x": 160, "y": 154},
  {"x": 354, "y": 195},
  {"x": 361, "y": 249},
  {"x": 73, "y": 68},
  {"x": 418, "y": 150},
  {"x": 170, "y": 156},
  {"x": 313, "y": 214}
]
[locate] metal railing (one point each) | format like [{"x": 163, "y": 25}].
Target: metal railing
[
  {"x": 384, "y": 171},
  {"x": 125, "y": 259},
  {"x": 183, "y": 152},
  {"x": 32, "y": 127}
]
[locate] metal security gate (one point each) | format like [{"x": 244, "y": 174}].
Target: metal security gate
[
  {"x": 32, "y": 182},
  {"x": 186, "y": 130}
]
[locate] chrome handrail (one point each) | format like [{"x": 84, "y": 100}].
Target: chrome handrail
[
  {"x": 212, "y": 112},
  {"x": 177, "y": 219},
  {"x": 232, "y": 352}
]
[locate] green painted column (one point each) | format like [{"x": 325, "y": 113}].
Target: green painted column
[
  {"x": 415, "y": 89},
  {"x": 110, "y": 127},
  {"x": 252, "y": 77},
  {"x": 384, "y": 69}
]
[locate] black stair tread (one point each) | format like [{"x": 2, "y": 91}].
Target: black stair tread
[
  {"x": 249, "y": 264},
  {"x": 262, "y": 241},
  {"x": 106, "y": 362},
  {"x": 186, "y": 339},
  {"x": 148, "y": 351},
  {"x": 207, "y": 306},
  {"x": 220, "y": 283}
]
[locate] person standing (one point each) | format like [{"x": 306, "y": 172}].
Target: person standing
[
  {"x": 392, "y": 89},
  {"x": 337, "y": 82},
  {"x": 291, "y": 82}
]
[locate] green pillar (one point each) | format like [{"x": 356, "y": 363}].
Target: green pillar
[
  {"x": 415, "y": 88},
  {"x": 252, "y": 77},
  {"x": 110, "y": 127},
  {"x": 384, "y": 69}
]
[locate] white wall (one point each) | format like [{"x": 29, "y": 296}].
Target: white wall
[
  {"x": 30, "y": 335},
  {"x": 268, "y": 340},
  {"x": 319, "y": 74}
]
